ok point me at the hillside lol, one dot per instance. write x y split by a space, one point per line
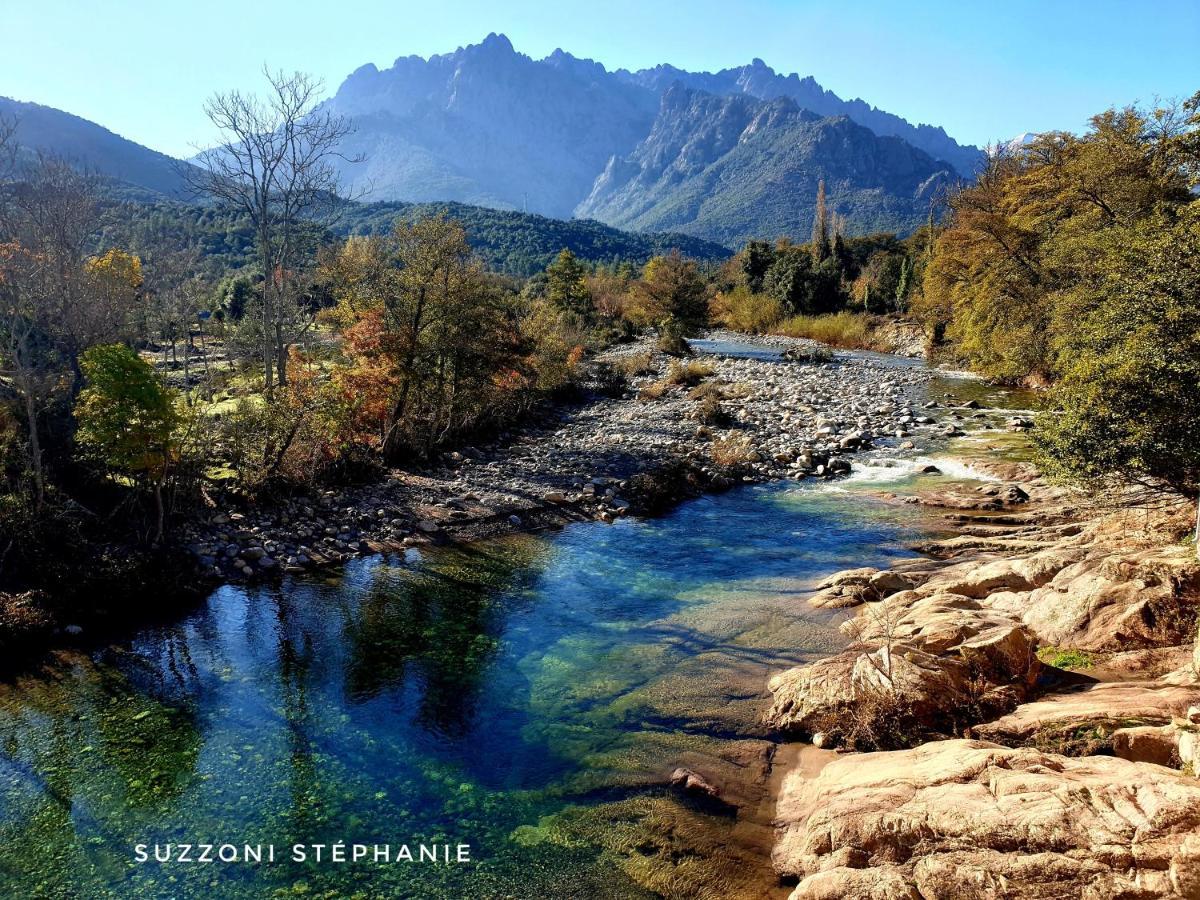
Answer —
758 80
41 128
518 244
524 243
731 168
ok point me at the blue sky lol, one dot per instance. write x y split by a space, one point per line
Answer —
982 70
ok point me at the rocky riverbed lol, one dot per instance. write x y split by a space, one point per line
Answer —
636 442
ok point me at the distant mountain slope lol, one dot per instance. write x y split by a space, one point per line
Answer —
515 243
487 125
731 168
761 81
93 147
525 243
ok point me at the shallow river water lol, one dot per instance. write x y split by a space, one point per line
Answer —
525 696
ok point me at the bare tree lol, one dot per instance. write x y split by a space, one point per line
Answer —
277 166
30 370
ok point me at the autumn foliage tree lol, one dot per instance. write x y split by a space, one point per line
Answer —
430 339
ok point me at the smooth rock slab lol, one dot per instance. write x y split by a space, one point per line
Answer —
969 819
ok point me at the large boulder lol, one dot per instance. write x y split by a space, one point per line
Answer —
969 819
892 692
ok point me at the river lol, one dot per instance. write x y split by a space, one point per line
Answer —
526 696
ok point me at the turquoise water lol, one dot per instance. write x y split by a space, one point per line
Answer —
527 697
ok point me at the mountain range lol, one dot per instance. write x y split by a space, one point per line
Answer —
721 156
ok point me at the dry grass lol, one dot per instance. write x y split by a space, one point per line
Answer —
734 450
738 391
653 391
742 311
688 373
711 412
708 390
844 329
636 364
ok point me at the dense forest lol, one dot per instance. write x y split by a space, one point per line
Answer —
512 243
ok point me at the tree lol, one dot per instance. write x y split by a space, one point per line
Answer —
567 288
1026 232
30 364
756 259
128 419
54 213
671 293
820 244
1129 396
276 167
426 331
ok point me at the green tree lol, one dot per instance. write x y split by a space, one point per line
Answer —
1128 403
820 246
566 286
128 418
756 259
671 293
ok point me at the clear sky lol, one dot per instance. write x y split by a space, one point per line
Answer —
983 70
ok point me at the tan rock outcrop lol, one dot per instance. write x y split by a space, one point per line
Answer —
1104 705
969 819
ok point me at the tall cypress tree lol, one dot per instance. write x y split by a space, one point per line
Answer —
820 232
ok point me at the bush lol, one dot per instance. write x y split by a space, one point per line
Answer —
636 364
732 451
711 412
742 310
710 390
672 339
843 329
653 391
688 373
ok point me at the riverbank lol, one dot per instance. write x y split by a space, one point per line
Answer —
1058 639
663 436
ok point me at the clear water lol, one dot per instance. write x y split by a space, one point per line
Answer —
526 696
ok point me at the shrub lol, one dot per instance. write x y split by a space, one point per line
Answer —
732 451
636 364
653 391
843 329
688 373
710 390
813 355
742 310
711 412
672 339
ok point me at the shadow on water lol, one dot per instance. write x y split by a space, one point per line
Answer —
526 696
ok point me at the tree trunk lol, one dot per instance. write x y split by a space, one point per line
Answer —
280 355
158 505
35 451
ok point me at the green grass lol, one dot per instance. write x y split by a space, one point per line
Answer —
1065 659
